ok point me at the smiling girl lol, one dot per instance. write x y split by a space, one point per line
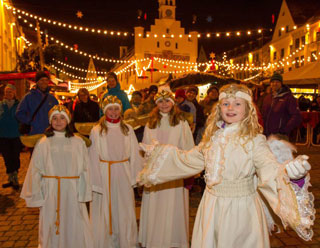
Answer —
58 183
164 218
115 163
232 152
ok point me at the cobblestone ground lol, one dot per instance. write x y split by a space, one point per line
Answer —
19 225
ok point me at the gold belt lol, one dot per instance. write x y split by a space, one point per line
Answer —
58 200
109 183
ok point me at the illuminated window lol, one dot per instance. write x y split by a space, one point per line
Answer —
302 60
274 55
282 53
279 32
287 28
303 40
297 62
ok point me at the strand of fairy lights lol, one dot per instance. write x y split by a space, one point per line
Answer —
225 64
72 75
126 34
79 69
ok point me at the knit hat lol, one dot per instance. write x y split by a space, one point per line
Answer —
11 85
180 93
276 77
59 109
41 74
153 88
193 89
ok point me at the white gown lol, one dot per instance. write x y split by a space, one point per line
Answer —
230 213
164 220
114 146
63 157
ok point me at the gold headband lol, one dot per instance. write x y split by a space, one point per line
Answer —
109 101
59 109
164 94
239 94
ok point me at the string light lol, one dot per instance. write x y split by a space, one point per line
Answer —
118 33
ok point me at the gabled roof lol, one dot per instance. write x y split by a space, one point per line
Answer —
303 10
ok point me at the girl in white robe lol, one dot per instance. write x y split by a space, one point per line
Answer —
232 151
115 163
164 218
58 183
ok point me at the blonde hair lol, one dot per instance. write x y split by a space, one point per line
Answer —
104 128
249 126
175 115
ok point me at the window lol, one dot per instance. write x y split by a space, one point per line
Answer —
168 30
303 40
302 60
291 48
318 36
287 28
257 57
297 44
274 55
290 68
297 62
158 44
279 32
176 45
313 56
282 53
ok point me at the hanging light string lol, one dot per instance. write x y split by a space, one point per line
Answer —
112 33
74 76
78 69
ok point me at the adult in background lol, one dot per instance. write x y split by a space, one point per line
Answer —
10 145
115 90
31 103
85 110
185 105
136 100
148 104
280 110
191 95
211 98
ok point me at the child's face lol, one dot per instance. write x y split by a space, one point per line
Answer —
59 122
164 105
113 112
233 109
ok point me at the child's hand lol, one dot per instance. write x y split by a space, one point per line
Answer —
298 167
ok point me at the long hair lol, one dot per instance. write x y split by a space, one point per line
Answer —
249 126
175 116
49 132
104 127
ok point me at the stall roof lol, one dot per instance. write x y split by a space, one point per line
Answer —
306 75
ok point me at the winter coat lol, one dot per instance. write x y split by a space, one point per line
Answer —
280 113
116 91
28 106
86 112
8 122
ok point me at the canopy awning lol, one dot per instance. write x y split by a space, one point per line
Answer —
305 75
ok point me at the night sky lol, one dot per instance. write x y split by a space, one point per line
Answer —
122 15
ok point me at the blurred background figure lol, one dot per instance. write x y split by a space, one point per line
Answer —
136 100
10 145
211 98
191 94
85 110
148 104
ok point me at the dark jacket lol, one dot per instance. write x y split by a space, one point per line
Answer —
29 104
8 122
280 113
201 119
86 112
116 91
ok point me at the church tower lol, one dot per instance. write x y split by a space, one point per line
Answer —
167 9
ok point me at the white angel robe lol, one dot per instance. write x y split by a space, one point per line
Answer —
59 156
230 213
114 146
164 218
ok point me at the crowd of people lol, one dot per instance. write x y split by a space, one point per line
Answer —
225 139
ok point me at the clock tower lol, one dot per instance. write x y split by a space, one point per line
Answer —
167 9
